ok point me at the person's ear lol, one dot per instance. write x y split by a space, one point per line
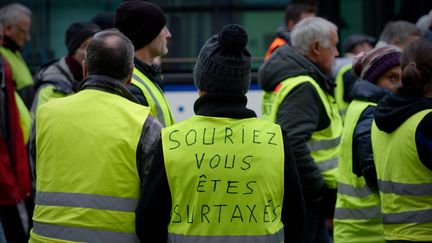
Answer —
84 69
201 93
316 48
129 80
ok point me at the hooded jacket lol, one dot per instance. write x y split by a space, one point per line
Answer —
301 113
393 110
55 74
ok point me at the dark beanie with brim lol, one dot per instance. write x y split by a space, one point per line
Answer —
77 33
140 21
224 63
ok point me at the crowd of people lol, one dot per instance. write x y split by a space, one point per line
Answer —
342 152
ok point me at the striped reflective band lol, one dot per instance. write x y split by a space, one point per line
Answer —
82 234
405 189
277 237
160 116
357 213
323 144
353 191
327 164
86 201
419 216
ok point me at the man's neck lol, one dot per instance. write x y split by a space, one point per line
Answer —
144 56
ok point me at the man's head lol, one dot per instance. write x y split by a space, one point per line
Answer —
224 63
400 34
416 64
295 12
316 38
110 53
144 23
380 66
16 20
78 35
358 43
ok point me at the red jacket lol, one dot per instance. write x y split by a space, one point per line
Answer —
15 183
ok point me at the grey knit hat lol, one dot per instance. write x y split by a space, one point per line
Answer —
224 63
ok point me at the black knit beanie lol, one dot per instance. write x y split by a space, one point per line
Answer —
224 62
77 33
140 21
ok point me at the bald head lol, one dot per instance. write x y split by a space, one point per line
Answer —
110 53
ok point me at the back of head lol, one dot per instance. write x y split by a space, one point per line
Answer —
373 64
110 53
416 64
294 11
77 33
309 30
224 62
140 21
398 31
353 40
11 13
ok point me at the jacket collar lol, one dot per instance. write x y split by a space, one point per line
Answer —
223 105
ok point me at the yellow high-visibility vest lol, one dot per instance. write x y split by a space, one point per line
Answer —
405 184
324 144
87 184
226 178
357 216
156 100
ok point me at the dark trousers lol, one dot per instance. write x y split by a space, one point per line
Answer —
316 229
12 224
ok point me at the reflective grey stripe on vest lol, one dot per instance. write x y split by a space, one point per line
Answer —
327 164
277 237
81 234
353 191
160 114
86 201
357 213
404 188
419 216
323 144
342 112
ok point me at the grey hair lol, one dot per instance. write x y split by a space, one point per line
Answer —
399 30
11 13
309 30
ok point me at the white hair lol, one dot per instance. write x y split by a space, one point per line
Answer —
309 30
11 13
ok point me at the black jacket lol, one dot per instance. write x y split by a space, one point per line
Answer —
301 112
395 109
153 212
363 162
153 73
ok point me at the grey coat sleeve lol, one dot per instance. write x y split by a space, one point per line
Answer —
300 114
150 137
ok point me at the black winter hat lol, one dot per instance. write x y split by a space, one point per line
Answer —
140 21
224 62
77 33
104 20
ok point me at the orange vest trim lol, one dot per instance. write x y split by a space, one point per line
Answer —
274 45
